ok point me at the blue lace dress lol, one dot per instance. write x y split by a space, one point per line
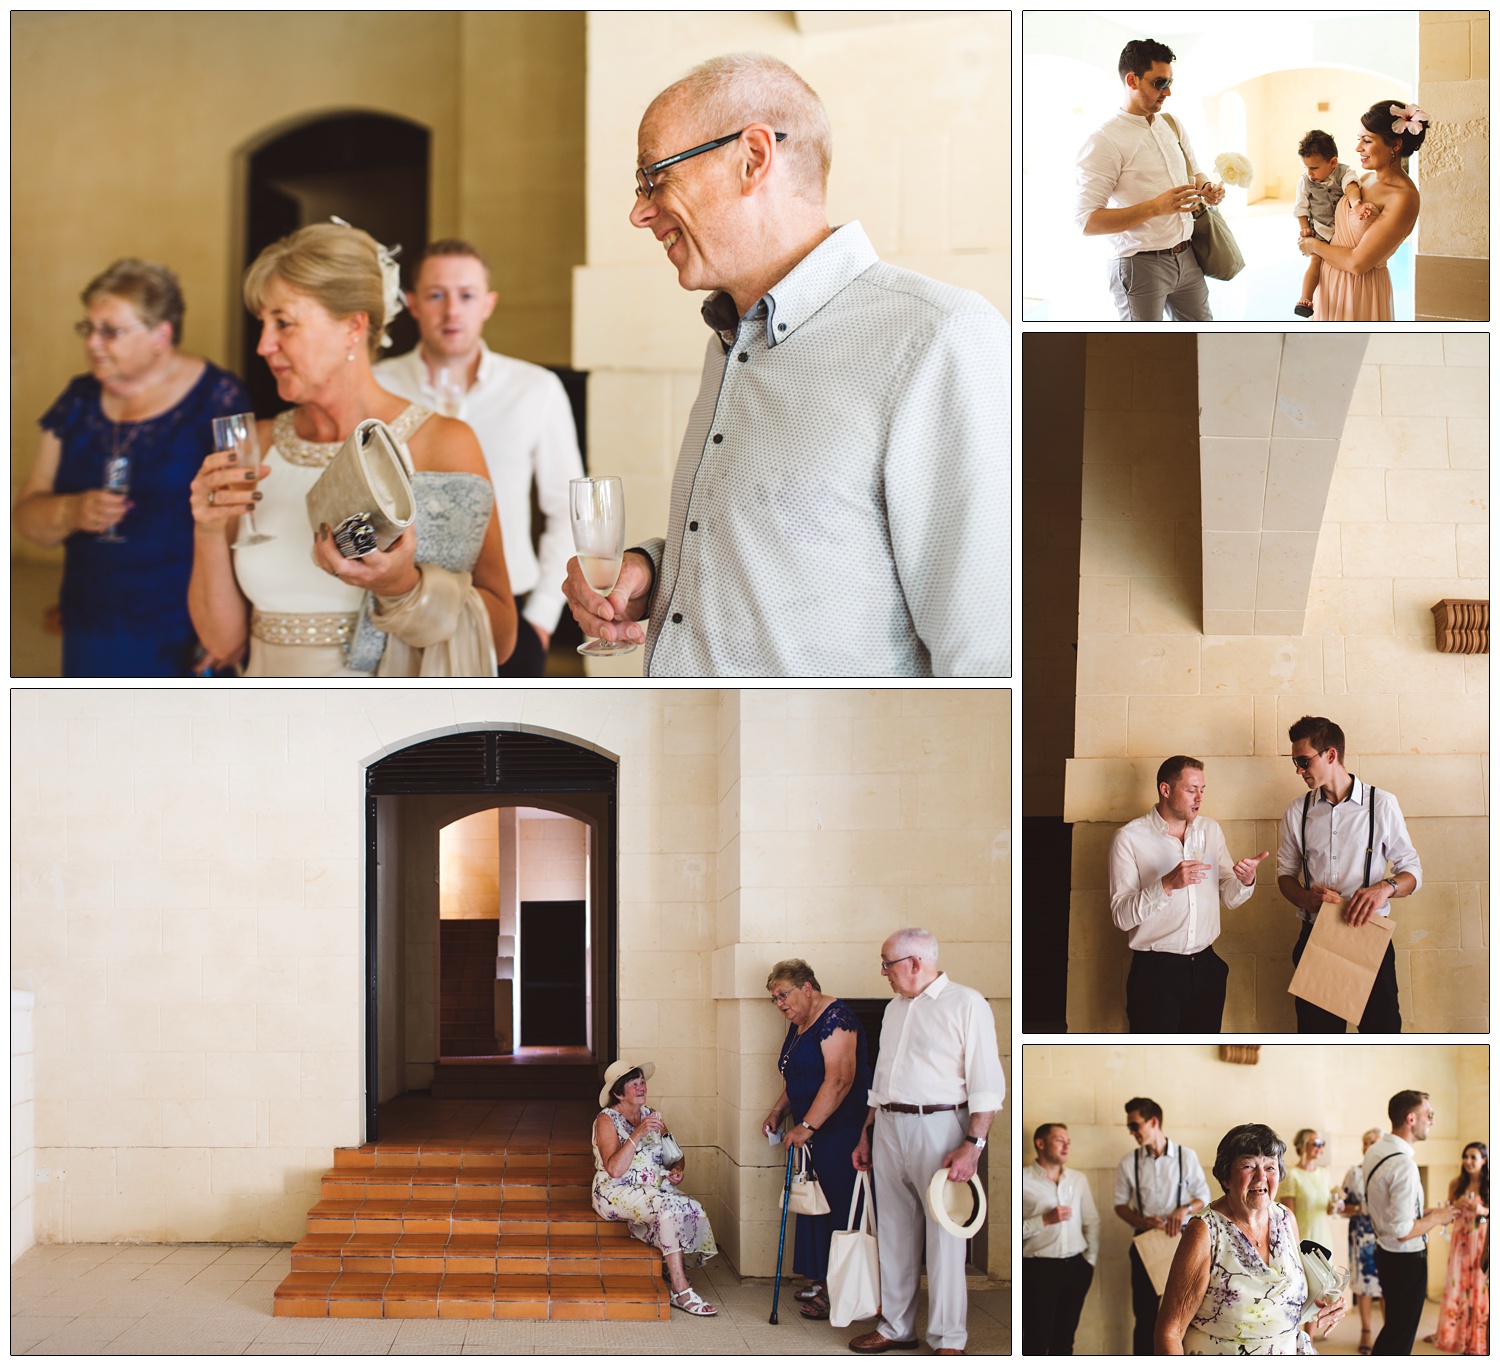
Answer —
124 607
832 1147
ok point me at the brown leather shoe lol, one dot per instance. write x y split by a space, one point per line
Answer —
870 1343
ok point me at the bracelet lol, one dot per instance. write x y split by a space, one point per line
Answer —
811 1128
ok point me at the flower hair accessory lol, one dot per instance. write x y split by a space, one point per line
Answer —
1409 119
390 279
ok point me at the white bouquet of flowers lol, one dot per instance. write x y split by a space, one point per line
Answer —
1234 168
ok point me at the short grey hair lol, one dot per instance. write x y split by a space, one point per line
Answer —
1248 1140
915 943
731 92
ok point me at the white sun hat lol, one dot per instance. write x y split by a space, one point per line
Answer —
616 1070
959 1206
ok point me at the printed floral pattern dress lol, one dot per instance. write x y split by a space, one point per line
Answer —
1250 1308
1363 1277
658 1213
1464 1319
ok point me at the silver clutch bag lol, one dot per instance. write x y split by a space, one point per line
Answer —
365 493
671 1154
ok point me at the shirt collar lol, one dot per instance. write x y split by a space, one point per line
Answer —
934 987
1356 795
1154 819
832 265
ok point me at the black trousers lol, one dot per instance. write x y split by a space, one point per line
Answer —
1382 1011
1403 1278
528 659
1144 1300
1176 993
1052 1295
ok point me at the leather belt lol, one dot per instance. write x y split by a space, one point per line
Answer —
918 1109
1168 251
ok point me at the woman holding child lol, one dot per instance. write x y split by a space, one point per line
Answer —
1354 284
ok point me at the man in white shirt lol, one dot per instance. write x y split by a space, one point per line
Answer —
1139 185
1059 1245
1156 863
937 1087
521 415
1336 842
1395 1203
841 500
1158 1186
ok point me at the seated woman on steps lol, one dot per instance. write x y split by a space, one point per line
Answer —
633 1183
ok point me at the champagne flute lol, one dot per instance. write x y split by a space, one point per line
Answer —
597 510
238 434
116 480
448 385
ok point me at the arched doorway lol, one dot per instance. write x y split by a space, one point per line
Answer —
369 169
413 792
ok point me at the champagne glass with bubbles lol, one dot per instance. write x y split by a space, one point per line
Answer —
238 434
597 510
116 480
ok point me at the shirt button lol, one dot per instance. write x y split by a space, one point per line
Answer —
677 618
744 355
692 526
781 327
718 437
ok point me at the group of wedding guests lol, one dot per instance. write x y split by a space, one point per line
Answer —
1140 185
899 463
1238 1283
927 1105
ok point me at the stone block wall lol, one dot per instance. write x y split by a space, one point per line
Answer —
1339 1089
1405 525
469 865
22 1125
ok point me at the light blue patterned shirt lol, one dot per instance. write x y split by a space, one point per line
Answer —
841 505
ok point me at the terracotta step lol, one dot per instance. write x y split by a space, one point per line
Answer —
319 1294
526 1218
440 1253
434 1182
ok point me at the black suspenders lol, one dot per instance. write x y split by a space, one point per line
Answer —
1140 1200
1369 846
1376 1168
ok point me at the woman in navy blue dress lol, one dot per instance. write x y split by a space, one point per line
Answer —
124 603
825 1067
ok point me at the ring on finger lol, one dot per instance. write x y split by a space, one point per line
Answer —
211 493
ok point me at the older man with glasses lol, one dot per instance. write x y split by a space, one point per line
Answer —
1343 841
1139 185
841 501
936 1089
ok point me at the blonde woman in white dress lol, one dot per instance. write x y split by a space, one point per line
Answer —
441 599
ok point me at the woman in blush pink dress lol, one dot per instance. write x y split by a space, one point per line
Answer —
1355 285
1464 1319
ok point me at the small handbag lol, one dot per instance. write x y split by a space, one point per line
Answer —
854 1264
807 1195
1323 1278
1213 244
365 493
671 1154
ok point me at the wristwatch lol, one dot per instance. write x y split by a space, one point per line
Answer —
979 1143
1395 886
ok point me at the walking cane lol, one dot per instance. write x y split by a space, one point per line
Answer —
786 1200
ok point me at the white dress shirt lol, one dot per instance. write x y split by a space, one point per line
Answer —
1184 921
1337 837
1040 1195
841 505
1393 1195
1126 162
939 1048
521 415
1161 1191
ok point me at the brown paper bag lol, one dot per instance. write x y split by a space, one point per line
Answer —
1156 1251
1340 961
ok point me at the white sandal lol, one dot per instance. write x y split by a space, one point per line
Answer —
691 1302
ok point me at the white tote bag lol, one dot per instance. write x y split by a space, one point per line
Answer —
854 1264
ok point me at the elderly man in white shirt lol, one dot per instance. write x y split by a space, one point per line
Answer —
937 1087
1395 1202
1138 184
841 505
1059 1245
1336 842
521 415
1156 865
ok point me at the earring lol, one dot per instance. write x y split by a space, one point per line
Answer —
350 356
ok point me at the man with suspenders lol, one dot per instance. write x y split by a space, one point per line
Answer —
1336 843
1158 1186
1394 1202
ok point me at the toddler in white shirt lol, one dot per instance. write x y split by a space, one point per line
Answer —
1318 193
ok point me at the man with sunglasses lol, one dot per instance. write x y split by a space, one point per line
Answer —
1138 184
1343 841
841 500
1160 1185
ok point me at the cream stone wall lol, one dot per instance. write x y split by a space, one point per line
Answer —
469 866
1405 525
1339 1089
187 906
22 1124
553 860
914 100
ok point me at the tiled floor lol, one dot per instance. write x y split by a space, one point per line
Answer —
213 1300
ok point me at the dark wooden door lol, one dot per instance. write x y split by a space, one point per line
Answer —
554 974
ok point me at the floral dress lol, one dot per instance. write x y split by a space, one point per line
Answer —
1363 1278
658 1213
1464 1319
1250 1308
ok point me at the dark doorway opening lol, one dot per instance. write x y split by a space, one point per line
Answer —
370 170
554 964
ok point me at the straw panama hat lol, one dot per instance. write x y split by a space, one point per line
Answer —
616 1070
959 1206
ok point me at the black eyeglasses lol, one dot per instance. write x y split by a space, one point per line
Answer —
1303 762
643 182
886 967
